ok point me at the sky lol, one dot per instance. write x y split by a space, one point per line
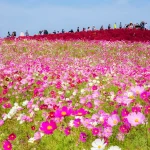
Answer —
36 15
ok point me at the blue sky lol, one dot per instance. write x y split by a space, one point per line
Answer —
35 15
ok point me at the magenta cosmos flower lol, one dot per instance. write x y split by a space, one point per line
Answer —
77 122
124 112
147 109
7 145
124 129
80 112
113 120
12 137
83 136
48 127
95 131
67 130
145 96
136 118
65 111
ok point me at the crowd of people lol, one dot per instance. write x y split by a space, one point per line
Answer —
143 25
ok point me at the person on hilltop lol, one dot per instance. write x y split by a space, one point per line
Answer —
21 33
93 28
8 34
130 26
146 26
45 32
142 24
115 26
63 31
102 28
88 29
78 30
13 34
54 32
120 25
84 29
109 27
40 32
71 31
26 33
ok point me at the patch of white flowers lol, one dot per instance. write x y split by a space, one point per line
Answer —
12 111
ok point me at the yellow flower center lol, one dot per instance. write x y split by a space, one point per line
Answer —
99 146
8 146
49 127
131 97
136 120
115 121
63 113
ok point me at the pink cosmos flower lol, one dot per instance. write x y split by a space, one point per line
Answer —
124 112
124 129
107 132
1 122
80 112
83 137
48 127
94 87
136 109
136 118
38 135
7 105
7 145
89 105
77 122
113 120
120 136
123 100
95 131
67 130
137 90
12 137
147 109
65 111
145 96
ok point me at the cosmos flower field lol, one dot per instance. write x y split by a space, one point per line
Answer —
74 95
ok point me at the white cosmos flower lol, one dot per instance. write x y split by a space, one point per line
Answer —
21 121
31 140
71 123
90 84
82 91
94 81
74 93
114 148
97 78
36 109
98 144
5 117
25 103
